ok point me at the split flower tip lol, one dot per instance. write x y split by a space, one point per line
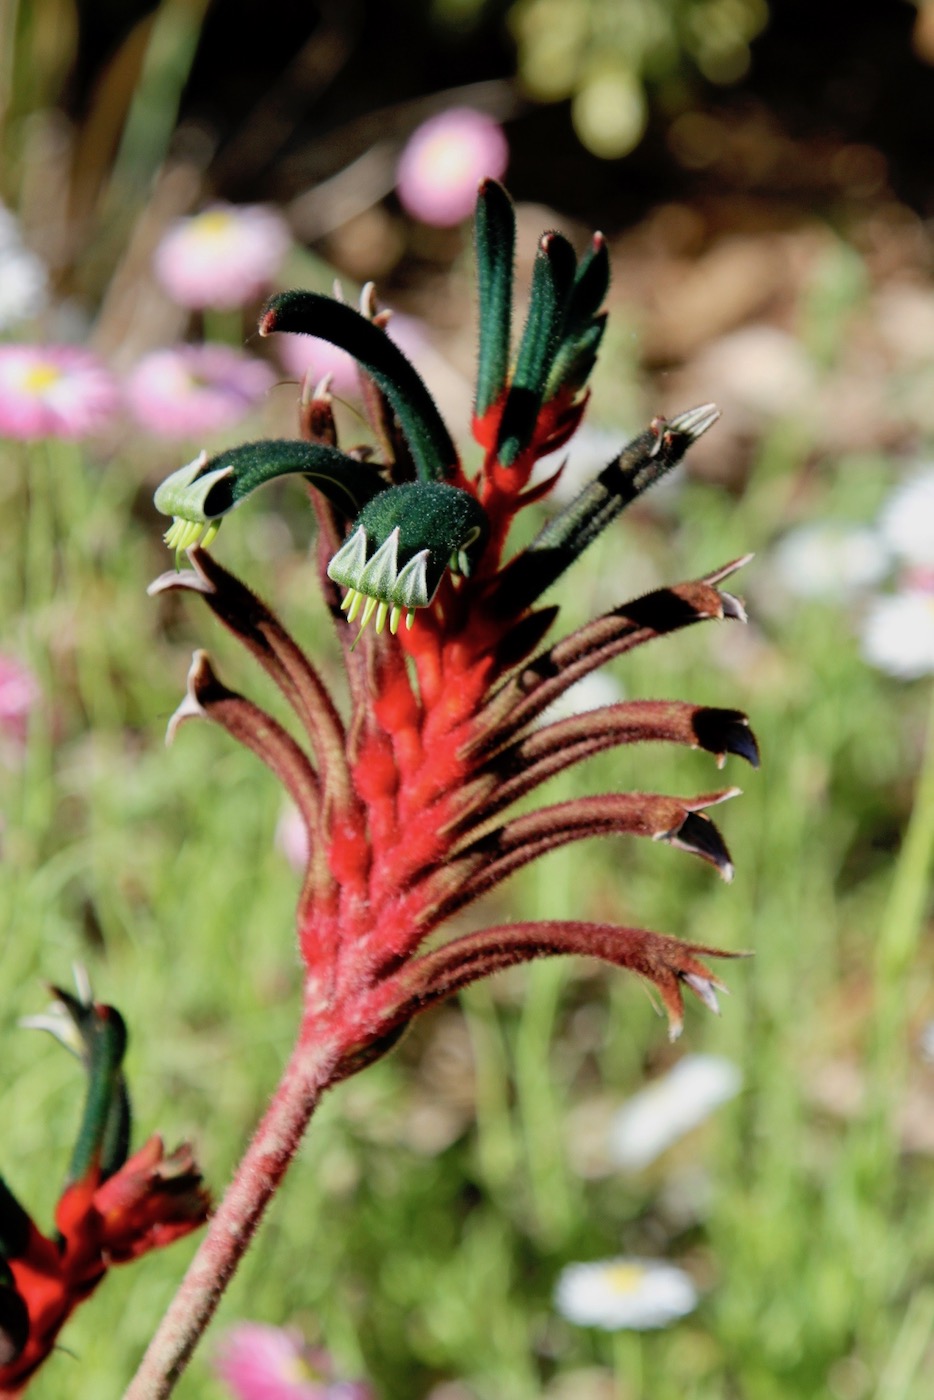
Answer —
174 579
698 836
694 422
190 708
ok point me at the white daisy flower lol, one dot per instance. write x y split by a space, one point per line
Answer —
830 560
673 1105
898 634
638 1294
589 693
907 520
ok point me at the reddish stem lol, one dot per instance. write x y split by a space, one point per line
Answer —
310 1070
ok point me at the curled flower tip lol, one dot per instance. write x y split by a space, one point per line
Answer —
706 989
183 496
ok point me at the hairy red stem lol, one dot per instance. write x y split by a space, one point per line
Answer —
310 1070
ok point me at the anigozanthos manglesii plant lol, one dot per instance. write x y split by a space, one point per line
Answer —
113 1208
405 799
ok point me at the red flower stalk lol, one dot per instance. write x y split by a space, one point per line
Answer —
114 1208
405 801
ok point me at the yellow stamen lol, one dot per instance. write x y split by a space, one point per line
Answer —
355 607
394 619
368 611
348 599
381 612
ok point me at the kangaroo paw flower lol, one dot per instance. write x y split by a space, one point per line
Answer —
406 800
114 1206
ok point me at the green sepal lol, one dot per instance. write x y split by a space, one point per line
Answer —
584 324
311 313
96 1035
104 1135
591 285
495 235
641 463
576 359
400 545
552 281
201 493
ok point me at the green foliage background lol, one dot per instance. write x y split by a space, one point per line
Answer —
422 1228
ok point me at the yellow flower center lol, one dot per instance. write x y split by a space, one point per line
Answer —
40 377
624 1278
214 224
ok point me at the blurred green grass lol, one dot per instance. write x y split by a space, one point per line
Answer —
419 1255
420 1231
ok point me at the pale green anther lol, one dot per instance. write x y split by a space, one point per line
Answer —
182 495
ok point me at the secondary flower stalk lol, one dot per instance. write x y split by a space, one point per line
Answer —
114 1207
406 799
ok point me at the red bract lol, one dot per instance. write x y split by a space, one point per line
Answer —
112 1210
404 800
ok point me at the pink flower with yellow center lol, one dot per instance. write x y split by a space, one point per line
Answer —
54 391
193 390
223 258
261 1362
444 161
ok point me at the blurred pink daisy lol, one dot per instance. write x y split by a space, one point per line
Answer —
19 695
54 391
192 390
224 257
306 355
260 1362
444 161
303 355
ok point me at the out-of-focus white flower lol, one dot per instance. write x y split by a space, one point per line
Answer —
589 693
898 634
673 1105
591 449
444 161
291 837
638 1294
23 282
907 520
830 560
764 372
224 257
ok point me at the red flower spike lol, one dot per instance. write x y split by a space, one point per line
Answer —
116 1210
403 798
